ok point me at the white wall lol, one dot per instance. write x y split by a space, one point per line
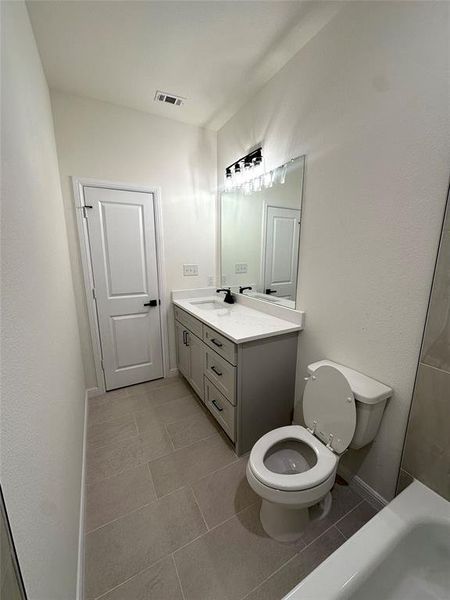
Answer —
367 101
42 383
104 141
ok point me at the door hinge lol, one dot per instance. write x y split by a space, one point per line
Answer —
93 294
84 208
101 362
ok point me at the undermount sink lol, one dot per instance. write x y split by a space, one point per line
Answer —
208 304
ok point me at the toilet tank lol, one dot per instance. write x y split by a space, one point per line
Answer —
370 400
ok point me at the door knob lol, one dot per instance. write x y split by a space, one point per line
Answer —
151 303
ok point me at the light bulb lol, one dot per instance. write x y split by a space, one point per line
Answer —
283 171
237 175
256 184
267 179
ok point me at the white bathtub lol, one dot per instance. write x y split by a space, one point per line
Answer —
403 553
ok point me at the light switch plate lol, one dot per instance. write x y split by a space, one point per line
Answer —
240 268
190 270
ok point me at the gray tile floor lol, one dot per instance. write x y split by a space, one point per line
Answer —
169 513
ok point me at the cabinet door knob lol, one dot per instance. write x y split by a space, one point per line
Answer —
216 371
216 342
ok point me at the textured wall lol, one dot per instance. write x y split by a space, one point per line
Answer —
366 100
42 383
426 454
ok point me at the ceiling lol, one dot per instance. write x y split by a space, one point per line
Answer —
217 54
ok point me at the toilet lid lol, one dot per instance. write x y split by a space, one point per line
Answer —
328 400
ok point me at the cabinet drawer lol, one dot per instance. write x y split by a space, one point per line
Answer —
221 373
220 408
220 344
189 321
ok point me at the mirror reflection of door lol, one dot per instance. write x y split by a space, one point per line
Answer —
281 252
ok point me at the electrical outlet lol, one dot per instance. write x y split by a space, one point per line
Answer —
190 270
240 268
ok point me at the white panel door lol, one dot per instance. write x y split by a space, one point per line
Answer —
121 229
281 252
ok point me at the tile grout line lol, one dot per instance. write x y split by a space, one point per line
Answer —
133 410
131 577
213 528
151 479
170 440
178 576
130 512
199 508
136 466
348 512
235 460
290 560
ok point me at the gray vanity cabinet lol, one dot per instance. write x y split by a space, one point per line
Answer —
190 357
248 387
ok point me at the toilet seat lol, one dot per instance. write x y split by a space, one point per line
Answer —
329 408
324 467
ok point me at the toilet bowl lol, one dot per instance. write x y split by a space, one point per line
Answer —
290 470
293 468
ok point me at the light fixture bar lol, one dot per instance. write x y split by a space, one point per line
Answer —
248 159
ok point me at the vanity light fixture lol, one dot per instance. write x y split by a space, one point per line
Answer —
242 172
247 174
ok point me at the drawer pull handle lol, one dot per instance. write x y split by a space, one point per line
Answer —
216 371
216 342
219 408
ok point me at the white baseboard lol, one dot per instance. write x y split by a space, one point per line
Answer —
172 372
95 391
363 489
80 569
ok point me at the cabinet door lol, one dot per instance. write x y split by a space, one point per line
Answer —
197 363
182 350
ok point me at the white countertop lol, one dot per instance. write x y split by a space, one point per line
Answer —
237 322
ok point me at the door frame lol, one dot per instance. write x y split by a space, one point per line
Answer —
78 184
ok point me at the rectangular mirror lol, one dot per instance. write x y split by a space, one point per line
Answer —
260 235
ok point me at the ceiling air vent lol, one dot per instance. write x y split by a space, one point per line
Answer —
169 98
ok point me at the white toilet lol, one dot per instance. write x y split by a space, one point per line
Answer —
293 468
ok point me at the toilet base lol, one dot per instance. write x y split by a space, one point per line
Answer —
288 524
283 524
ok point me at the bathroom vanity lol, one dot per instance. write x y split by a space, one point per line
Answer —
240 362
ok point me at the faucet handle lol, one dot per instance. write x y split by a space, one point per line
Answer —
228 295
